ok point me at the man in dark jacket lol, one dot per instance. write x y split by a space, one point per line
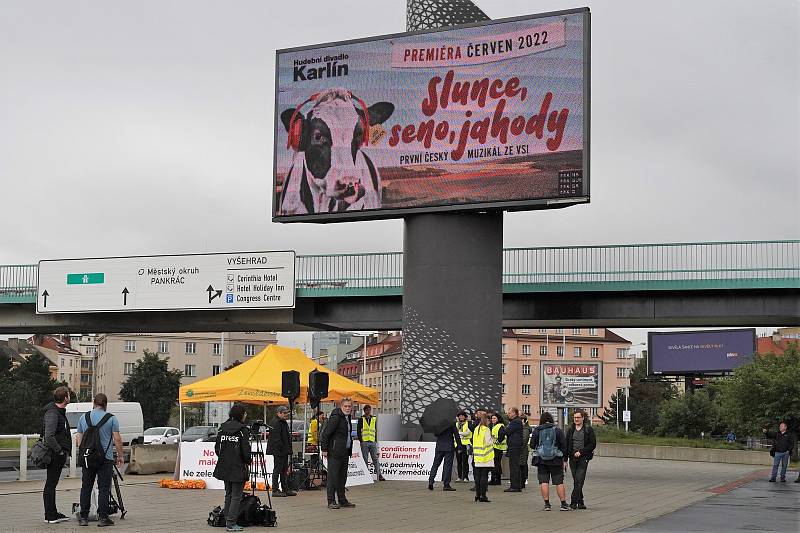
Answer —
279 446
549 447
336 444
514 443
234 458
445 451
581 442
783 443
57 437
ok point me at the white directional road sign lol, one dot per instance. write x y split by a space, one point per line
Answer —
245 280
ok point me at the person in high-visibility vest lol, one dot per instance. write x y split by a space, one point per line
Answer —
367 430
462 453
313 428
482 455
499 436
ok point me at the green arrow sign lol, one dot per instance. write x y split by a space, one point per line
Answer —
86 279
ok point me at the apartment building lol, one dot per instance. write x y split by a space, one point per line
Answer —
391 391
524 349
196 355
58 350
86 345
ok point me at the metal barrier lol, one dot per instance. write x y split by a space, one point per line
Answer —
23 454
700 265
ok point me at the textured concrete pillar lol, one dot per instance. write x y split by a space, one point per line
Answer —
452 310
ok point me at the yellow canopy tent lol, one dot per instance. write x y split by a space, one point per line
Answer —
258 380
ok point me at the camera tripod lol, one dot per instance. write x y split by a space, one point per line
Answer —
116 477
259 467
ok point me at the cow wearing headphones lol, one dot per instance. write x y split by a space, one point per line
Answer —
330 172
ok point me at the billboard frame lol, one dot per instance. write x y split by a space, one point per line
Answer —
506 205
718 372
600 398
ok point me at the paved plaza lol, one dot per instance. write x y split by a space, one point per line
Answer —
620 493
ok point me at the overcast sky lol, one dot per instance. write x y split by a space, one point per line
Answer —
138 128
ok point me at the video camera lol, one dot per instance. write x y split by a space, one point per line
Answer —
257 425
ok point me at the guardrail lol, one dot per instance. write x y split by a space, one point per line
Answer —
669 266
23 454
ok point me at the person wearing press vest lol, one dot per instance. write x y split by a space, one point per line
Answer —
500 447
97 430
234 458
549 447
337 446
482 455
581 442
462 452
367 431
56 436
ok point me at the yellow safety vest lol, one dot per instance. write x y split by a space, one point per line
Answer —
464 432
313 432
496 436
481 452
368 432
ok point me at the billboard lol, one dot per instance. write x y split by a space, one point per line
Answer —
571 384
699 352
484 116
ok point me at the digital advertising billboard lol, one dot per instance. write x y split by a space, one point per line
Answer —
699 352
571 384
489 116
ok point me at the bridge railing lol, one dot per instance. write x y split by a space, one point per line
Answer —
747 264
652 264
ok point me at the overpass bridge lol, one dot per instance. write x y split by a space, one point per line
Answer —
742 283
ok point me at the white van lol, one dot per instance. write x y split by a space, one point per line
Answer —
129 416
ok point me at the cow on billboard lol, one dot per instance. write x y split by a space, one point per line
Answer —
330 171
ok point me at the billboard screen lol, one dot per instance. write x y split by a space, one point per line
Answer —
571 384
484 116
699 352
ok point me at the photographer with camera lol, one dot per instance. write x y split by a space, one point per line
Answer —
279 446
233 463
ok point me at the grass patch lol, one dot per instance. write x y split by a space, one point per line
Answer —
13 444
605 434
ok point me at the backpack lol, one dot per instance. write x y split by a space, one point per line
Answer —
249 511
547 449
216 518
91 454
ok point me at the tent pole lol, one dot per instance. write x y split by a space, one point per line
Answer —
180 422
305 425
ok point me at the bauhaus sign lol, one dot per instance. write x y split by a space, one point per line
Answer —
488 116
571 384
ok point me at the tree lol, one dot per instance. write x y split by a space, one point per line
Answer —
688 415
645 399
154 386
5 365
762 392
609 416
25 390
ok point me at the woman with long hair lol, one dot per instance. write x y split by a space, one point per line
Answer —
483 455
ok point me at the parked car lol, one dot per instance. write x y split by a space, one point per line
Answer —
129 416
200 434
161 435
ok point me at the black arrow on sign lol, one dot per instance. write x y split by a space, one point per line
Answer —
125 296
212 293
45 294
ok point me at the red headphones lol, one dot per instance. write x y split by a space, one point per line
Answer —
296 125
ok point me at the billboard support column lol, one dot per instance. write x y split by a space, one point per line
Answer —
452 311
